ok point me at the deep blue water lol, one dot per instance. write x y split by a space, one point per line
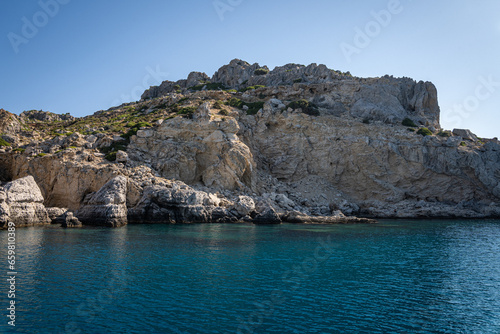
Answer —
393 277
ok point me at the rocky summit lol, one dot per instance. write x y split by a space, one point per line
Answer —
298 144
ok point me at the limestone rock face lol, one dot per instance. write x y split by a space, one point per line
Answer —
45 116
196 78
22 203
57 215
245 205
107 206
201 150
465 134
121 156
177 203
235 73
63 180
9 125
369 162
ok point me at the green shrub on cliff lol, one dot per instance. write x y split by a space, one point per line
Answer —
111 156
234 102
251 88
3 142
261 71
443 133
306 106
209 86
408 122
424 132
187 111
254 107
217 105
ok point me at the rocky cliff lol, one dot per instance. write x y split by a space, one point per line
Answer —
297 143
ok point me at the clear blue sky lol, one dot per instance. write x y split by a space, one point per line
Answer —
89 55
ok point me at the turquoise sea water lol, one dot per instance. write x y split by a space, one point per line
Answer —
393 277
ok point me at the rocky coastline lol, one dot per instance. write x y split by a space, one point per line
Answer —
298 144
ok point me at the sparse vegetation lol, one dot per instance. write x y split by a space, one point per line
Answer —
443 133
463 144
111 156
234 102
410 123
424 132
188 111
19 150
306 106
41 154
261 71
209 86
3 142
217 105
251 88
254 107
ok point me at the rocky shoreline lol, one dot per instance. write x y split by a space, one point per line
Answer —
298 144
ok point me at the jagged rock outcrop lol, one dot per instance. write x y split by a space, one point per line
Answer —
63 216
107 206
22 203
71 221
385 99
9 126
265 213
178 203
199 150
44 116
57 215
